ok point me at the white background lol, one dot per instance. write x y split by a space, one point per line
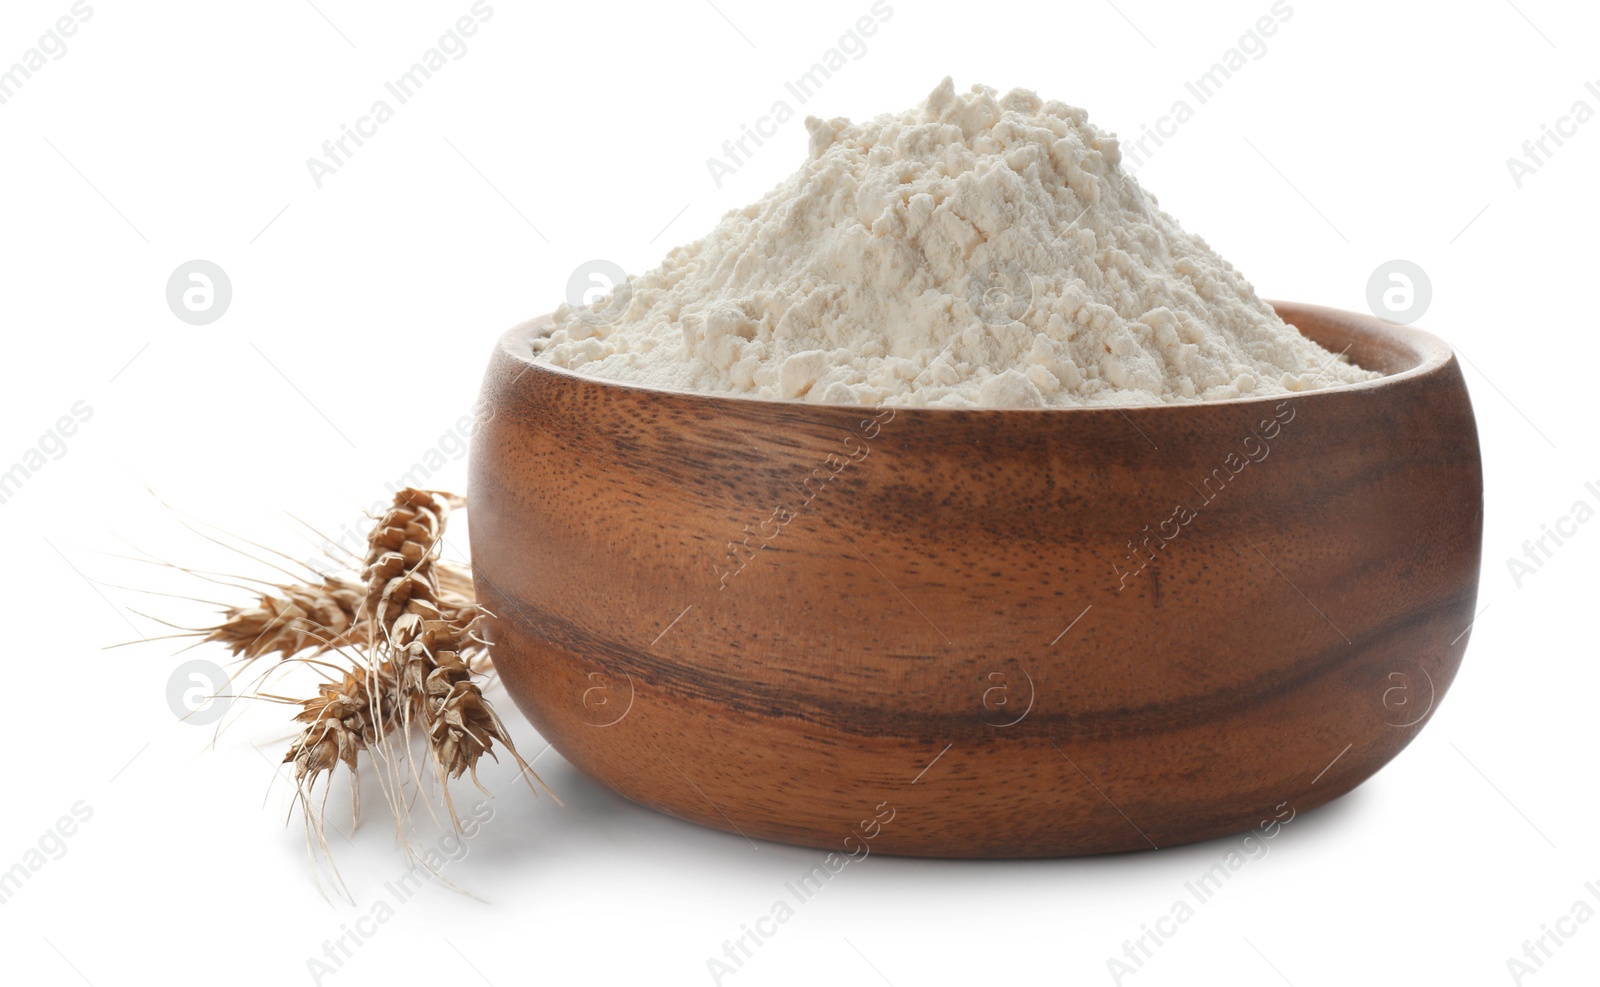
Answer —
363 313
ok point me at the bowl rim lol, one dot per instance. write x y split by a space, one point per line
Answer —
1427 353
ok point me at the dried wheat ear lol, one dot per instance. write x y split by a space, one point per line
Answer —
398 644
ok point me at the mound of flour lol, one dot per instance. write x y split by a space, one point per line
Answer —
979 250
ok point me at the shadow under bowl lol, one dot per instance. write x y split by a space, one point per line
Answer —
981 633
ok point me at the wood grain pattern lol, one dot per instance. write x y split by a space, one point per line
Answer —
981 633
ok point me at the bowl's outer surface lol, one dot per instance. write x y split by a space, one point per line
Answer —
931 631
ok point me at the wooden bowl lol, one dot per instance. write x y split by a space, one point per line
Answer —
997 633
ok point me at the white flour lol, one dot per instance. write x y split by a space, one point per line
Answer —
979 250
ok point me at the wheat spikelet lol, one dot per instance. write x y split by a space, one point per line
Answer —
465 725
315 618
402 550
306 617
340 724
